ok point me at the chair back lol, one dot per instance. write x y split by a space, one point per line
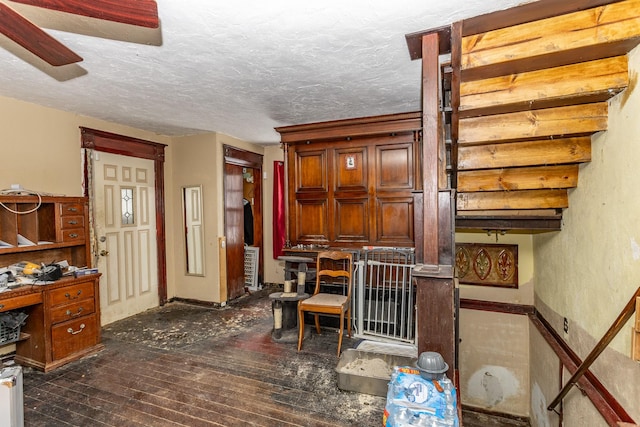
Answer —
335 264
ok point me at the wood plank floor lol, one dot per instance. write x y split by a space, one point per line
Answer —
186 365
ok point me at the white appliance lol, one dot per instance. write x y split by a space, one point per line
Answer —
11 399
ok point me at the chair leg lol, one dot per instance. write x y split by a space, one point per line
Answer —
300 328
341 330
317 324
349 321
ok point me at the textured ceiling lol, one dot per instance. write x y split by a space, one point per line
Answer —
240 67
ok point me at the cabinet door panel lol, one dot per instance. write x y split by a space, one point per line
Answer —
312 220
394 166
311 171
395 220
351 169
352 220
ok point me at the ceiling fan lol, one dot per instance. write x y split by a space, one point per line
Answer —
143 13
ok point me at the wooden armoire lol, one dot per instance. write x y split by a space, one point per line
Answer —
353 183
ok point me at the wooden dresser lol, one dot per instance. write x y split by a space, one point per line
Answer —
64 316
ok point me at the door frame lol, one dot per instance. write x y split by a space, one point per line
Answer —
238 157
98 140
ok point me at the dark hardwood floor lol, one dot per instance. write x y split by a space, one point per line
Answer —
186 365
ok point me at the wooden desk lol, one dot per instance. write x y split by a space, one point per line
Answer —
63 323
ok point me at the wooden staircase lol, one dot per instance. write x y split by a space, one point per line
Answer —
525 100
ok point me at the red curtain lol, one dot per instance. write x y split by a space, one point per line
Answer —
279 224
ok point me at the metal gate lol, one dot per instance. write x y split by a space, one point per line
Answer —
384 301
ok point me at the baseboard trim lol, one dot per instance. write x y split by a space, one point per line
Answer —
196 302
516 420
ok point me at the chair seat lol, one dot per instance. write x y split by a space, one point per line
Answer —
325 300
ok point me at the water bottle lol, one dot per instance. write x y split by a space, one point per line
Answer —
450 410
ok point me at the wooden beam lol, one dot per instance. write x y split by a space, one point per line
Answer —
525 199
580 83
414 41
525 153
432 139
575 120
503 220
600 32
339 129
527 12
531 178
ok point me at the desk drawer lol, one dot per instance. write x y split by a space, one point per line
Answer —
71 311
20 301
74 336
73 235
71 208
75 221
72 293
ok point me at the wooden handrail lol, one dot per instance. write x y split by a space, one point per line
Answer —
617 325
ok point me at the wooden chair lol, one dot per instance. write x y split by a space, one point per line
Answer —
326 303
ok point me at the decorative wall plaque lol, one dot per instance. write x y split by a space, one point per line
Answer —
350 162
487 264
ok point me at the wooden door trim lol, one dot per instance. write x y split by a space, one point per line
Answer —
238 157
127 146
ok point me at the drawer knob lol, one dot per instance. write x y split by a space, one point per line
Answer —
73 235
68 295
72 332
72 222
72 209
77 313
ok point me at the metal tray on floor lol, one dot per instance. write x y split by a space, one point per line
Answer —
368 372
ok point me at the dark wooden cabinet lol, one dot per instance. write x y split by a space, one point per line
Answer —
63 322
353 182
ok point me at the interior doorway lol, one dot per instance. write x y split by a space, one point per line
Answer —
125 227
243 217
93 141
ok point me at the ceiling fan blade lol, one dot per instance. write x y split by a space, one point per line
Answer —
32 38
143 13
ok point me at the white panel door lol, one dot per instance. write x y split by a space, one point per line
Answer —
125 224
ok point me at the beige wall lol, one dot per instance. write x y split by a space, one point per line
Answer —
589 270
199 160
41 148
41 152
494 347
195 162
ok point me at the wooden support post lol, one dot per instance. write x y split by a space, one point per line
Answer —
431 135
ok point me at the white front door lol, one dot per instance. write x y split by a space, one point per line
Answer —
125 225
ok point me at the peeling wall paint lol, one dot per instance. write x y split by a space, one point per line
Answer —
494 361
493 385
539 407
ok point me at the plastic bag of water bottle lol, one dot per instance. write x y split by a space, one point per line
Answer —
413 401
